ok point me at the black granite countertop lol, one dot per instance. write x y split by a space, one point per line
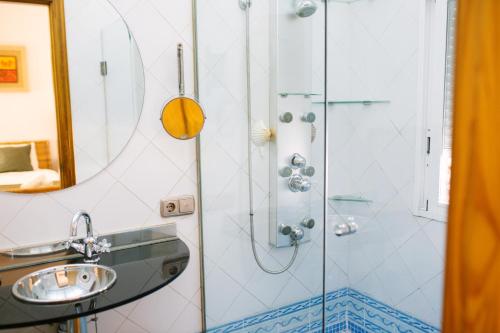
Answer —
140 271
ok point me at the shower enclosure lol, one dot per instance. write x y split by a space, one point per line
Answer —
323 151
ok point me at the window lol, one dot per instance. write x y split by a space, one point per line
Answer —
434 134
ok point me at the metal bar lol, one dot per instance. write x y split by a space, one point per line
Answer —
196 88
180 68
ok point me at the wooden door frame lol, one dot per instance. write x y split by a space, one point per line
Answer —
60 73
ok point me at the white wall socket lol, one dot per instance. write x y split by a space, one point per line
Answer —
177 206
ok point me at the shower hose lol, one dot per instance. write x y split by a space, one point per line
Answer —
250 169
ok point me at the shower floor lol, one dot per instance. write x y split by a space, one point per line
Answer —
347 311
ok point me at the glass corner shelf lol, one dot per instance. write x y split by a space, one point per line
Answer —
305 94
345 102
342 1
349 198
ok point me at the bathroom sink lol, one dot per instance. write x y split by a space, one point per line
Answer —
64 284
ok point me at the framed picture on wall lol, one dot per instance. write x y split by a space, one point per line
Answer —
13 76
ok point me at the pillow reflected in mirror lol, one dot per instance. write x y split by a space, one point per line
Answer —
15 158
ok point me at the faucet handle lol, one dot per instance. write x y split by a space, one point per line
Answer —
103 246
71 244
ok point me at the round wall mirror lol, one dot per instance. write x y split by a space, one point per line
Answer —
71 98
183 118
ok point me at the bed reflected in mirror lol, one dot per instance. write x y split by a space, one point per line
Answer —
28 167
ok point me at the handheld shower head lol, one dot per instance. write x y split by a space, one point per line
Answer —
305 8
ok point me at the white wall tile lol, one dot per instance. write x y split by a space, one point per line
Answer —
417 305
151 176
300 292
219 231
267 287
222 288
238 261
143 30
110 322
398 222
309 271
156 97
130 327
41 216
119 209
189 320
397 161
10 206
135 146
421 257
436 231
6 243
189 285
434 292
243 305
152 314
176 13
87 195
396 278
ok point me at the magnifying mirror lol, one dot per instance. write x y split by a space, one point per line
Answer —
182 117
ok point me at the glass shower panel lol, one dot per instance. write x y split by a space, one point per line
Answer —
269 72
384 264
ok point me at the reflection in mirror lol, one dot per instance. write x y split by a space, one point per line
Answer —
71 91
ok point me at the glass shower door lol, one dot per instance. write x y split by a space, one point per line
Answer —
262 64
385 242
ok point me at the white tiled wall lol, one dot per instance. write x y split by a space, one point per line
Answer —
126 194
395 257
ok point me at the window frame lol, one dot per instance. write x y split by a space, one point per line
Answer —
431 88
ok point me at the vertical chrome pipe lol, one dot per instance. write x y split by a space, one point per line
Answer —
194 12
325 164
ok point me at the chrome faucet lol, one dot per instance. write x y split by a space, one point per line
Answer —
91 247
297 183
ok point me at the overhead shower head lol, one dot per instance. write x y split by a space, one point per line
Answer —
305 8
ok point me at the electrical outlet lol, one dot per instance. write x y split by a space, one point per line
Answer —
177 206
169 207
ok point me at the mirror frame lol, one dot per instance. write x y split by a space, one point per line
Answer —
60 73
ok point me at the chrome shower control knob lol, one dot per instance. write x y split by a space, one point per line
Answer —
244 4
309 117
308 171
286 117
297 234
308 223
285 229
297 183
286 171
305 186
298 161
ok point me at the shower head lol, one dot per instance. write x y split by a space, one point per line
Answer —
305 8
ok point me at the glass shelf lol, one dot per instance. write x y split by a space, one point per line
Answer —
308 94
349 198
364 102
342 1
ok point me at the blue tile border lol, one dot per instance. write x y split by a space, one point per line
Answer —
347 310
389 312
